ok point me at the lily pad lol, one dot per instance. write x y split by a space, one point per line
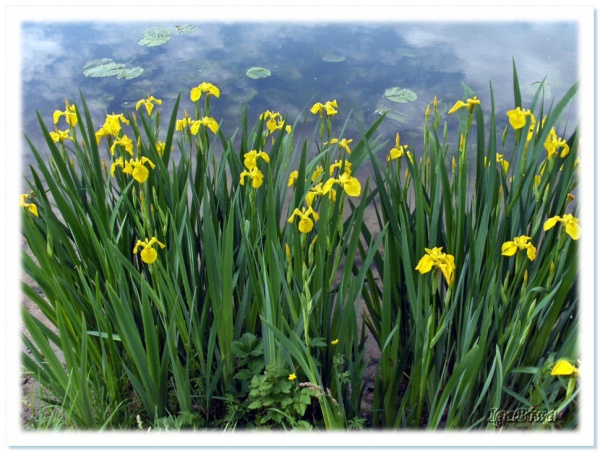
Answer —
401 95
258 72
185 29
333 58
102 68
155 36
108 68
130 73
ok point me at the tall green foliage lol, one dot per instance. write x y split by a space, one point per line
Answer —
175 263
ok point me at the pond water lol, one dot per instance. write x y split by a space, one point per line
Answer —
351 62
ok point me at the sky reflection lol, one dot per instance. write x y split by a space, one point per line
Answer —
429 58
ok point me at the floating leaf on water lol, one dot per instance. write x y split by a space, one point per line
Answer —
333 58
102 68
155 36
108 68
130 73
400 95
97 63
258 72
185 29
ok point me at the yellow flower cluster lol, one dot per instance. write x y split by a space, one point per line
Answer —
340 173
123 141
135 167
194 124
570 223
329 107
252 171
111 127
274 122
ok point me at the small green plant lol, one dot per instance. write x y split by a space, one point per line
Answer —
250 362
276 399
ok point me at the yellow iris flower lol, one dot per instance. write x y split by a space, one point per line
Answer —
517 117
564 367
61 135
160 147
293 178
112 126
519 243
569 222
123 141
255 175
70 114
181 124
343 143
318 190
206 122
317 173
29 206
470 104
148 103
306 224
553 143
208 88
251 158
501 161
275 122
148 254
135 167
350 184
397 151
328 107
345 165
435 258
